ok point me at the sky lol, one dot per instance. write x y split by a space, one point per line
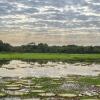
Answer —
56 22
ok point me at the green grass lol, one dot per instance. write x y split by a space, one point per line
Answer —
50 56
89 80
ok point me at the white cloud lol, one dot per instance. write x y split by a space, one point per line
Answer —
14 16
44 15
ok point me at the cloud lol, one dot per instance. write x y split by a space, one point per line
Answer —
51 39
45 16
49 12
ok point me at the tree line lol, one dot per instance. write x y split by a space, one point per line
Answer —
45 48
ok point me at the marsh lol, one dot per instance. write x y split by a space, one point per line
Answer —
49 80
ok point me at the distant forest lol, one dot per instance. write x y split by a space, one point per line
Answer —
45 48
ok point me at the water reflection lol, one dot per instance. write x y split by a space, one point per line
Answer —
18 68
2 62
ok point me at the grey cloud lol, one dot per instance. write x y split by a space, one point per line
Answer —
43 15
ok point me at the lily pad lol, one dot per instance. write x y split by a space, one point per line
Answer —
47 94
37 86
12 88
2 94
17 93
38 91
67 95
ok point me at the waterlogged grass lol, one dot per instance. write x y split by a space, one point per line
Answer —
89 80
48 87
50 56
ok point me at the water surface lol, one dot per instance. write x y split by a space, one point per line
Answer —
47 80
17 68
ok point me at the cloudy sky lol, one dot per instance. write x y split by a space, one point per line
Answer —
56 22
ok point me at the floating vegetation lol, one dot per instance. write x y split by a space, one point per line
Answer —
67 95
38 91
46 94
49 81
12 87
2 94
37 86
50 87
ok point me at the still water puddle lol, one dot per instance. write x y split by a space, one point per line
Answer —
16 68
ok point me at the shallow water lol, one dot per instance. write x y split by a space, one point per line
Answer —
24 80
17 68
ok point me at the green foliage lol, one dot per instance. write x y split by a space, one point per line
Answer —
44 48
89 80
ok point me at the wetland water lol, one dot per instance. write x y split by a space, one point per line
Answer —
32 80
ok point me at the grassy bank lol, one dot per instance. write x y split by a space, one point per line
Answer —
50 56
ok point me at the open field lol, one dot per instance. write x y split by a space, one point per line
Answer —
50 56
